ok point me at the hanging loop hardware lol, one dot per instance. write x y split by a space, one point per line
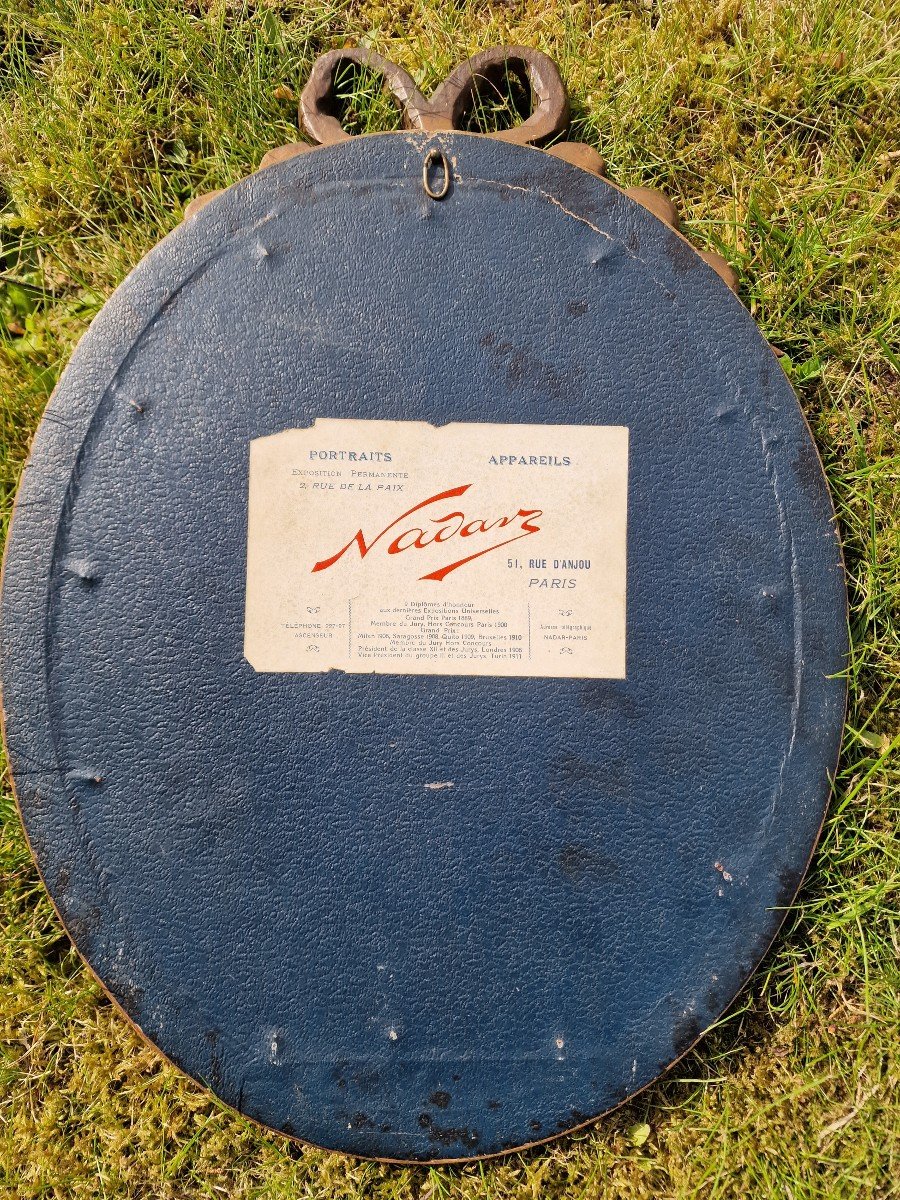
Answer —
435 159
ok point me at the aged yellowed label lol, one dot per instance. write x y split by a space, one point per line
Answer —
470 549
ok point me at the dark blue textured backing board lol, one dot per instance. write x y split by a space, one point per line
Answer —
249 862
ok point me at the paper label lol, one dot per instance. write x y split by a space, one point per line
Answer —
470 549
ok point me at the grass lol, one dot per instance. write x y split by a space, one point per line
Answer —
776 127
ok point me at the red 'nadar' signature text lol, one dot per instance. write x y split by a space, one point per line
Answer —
434 531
